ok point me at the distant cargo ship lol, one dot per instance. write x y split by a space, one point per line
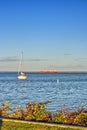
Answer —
49 71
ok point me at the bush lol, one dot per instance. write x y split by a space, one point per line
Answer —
38 112
5 109
81 119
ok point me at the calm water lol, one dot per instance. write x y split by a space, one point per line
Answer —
61 89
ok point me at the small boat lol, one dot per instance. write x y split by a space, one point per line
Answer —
21 75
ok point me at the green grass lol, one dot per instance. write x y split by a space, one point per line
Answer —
11 125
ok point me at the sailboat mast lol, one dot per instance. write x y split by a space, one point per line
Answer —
21 61
20 64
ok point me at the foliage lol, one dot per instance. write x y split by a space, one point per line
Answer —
66 116
5 109
81 119
38 112
17 114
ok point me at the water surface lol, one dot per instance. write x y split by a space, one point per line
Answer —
61 89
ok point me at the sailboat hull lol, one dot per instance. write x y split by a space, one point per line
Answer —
22 77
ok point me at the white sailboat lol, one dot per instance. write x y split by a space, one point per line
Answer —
21 74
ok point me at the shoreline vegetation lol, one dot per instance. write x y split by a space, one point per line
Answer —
37 112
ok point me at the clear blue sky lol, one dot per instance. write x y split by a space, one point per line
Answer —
51 33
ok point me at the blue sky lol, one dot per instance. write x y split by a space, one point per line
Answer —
51 33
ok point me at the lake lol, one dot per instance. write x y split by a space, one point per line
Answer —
61 89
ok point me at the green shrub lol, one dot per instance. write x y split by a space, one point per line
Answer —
81 119
38 112
5 109
59 117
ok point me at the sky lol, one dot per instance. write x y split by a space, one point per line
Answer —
52 34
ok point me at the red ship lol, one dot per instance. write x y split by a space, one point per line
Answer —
49 71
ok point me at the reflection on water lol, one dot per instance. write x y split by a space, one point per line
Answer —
61 89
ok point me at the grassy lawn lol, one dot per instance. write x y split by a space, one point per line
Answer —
12 125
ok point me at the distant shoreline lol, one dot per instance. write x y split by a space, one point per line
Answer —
38 72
